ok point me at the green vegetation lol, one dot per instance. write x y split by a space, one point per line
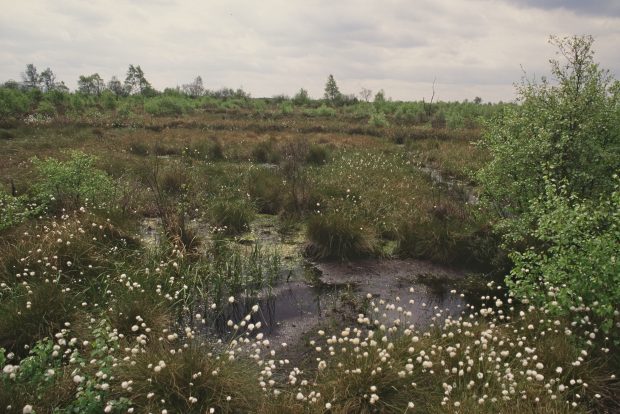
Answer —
143 235
552 183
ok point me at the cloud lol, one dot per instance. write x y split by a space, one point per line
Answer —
588 7
474 47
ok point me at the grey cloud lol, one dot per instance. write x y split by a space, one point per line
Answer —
590 7
278 46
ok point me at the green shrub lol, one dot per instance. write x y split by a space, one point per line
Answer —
571 257
125 110
378 119
168 106
108 100
13 102
15 210
321 111
286 108
335 236
70 183
46 108
549 183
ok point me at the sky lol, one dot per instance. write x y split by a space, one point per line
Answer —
468 48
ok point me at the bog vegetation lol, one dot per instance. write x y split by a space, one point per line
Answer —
97 314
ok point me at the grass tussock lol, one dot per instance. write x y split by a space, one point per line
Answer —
333 236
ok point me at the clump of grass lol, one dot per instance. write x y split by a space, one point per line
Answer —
139 148
194 380
210 149
163 150
31 314
265 187
173 180
134 308
6 134
336 236
267 152
232 216
317 155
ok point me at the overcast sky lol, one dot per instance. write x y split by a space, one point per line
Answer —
471 47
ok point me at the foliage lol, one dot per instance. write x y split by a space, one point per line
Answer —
301 98
91 85
569 131
321 111
71 183
571 256
549 182
168 106
136 83
15 210
13 102
378 119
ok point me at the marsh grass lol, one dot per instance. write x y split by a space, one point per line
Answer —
233 216
334 236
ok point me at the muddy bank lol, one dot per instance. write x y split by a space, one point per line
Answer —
420 287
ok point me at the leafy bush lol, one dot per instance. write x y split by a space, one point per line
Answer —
569 132
70 183
549 183
168 106
378 119
321 111
13 102
286 108
572 253
15 210
46 108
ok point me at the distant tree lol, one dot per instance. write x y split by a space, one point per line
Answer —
301 98
61 87
116 87
11 84
31 78
91 85
365 94
477 100
332 93
194 89
380 97
48 80
136 83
